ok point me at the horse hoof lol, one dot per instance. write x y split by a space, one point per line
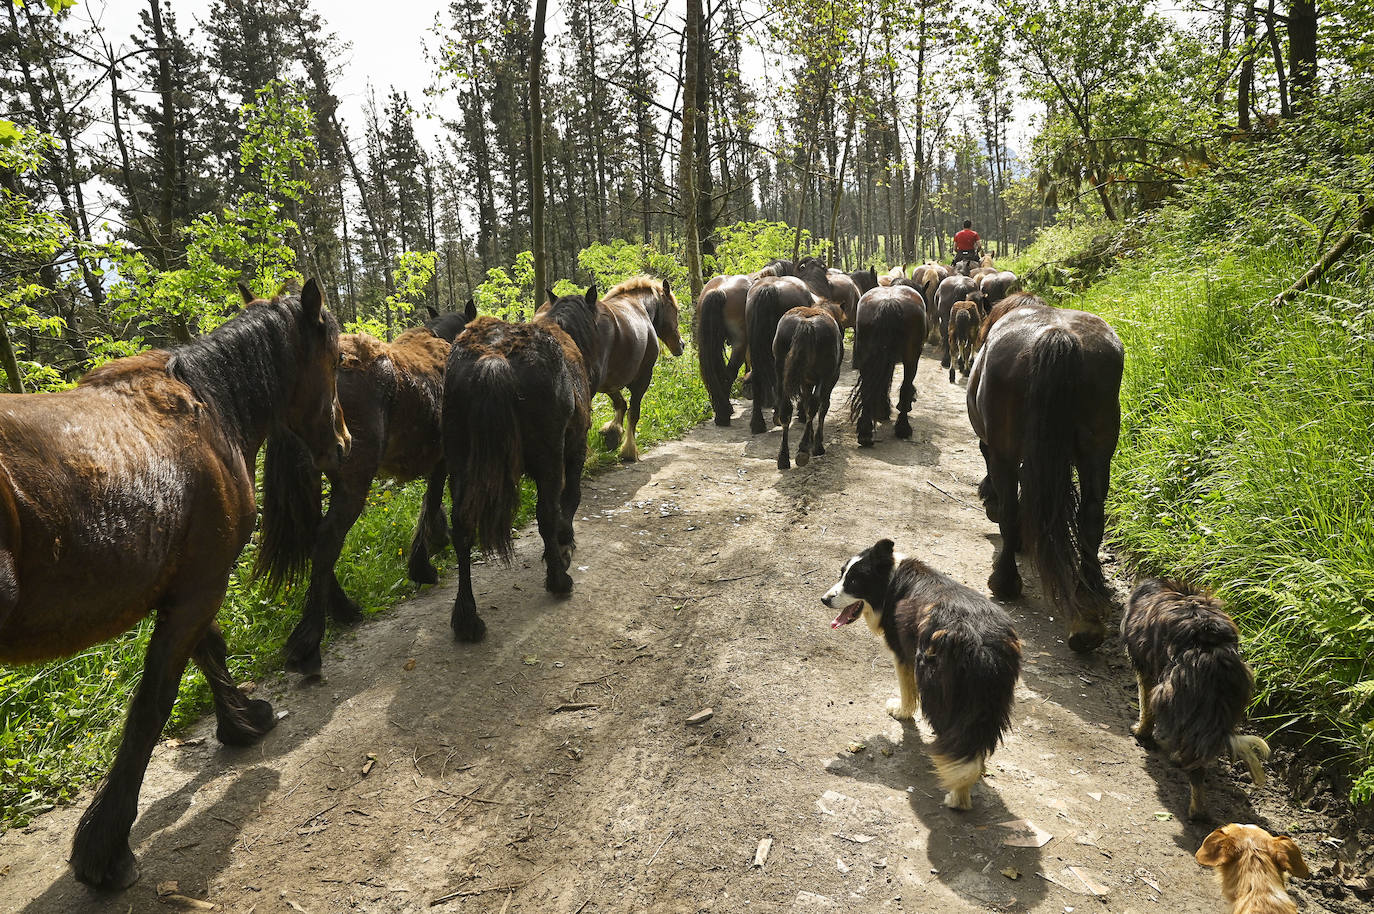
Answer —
424 574
257 720
307 663
818 452
866 441
116 875
722 420
470 629
944 363
803 458
951 376
610 437
560 584
346 611
756 427
629 456
902 429
785 464
1005 586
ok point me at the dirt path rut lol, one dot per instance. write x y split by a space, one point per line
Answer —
698 579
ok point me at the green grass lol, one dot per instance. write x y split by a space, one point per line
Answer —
1246 464
61 722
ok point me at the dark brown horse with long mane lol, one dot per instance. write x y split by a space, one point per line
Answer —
133 493
517 401
631 318
807 349
1043 400
769 299
889 327
392 394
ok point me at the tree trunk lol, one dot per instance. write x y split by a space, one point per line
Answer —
166 130
8 360
1246 81
1302 51
537 153
687 170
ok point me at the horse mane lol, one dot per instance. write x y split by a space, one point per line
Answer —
244 367
1006 305
641 283
577 318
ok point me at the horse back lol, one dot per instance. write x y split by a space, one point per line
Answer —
414 409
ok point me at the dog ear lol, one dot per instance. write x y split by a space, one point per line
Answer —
1287 857
1218 849
883 548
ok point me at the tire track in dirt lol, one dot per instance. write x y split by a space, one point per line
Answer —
698 578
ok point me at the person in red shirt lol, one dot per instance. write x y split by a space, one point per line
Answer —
966 244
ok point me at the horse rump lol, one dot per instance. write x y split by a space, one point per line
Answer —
711 354
1049 499
483 447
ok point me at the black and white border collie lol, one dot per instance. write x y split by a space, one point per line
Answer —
1193 684
957 656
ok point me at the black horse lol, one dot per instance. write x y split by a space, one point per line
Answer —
392 394
889 327
517 401
1043 400
808 350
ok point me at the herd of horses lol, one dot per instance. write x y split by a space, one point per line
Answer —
133 493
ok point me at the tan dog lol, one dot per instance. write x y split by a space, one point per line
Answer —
1252 864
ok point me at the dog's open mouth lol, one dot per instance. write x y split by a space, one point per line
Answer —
848 614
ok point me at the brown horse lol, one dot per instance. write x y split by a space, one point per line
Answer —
963 330
807 350
631 318
996 286
517 401
952 289
392 394
720 320
830 285
133 493
889 327
1043 400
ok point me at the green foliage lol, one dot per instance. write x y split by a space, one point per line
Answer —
251 238
511 298
613 263
746 247
30 236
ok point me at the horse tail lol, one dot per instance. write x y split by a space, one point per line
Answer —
482 438
290 511
799 368
875 357
762 325
710 334
1049 500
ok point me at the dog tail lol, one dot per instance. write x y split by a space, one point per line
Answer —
1254 752
967 683
876 357
1203 697
483 446
710 335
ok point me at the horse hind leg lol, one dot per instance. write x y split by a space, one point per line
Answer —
612 431
629 451
574 458
240 720
467 625
1091 603
905 396
100 849
808 419
784 449
547 512
431 530
1005 581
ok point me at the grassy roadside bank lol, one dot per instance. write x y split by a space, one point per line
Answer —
61 722
1245 464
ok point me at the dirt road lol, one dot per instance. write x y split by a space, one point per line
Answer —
551 769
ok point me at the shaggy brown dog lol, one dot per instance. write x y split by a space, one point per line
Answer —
1251 864
1193 684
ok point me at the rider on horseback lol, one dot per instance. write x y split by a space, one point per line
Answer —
966 244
